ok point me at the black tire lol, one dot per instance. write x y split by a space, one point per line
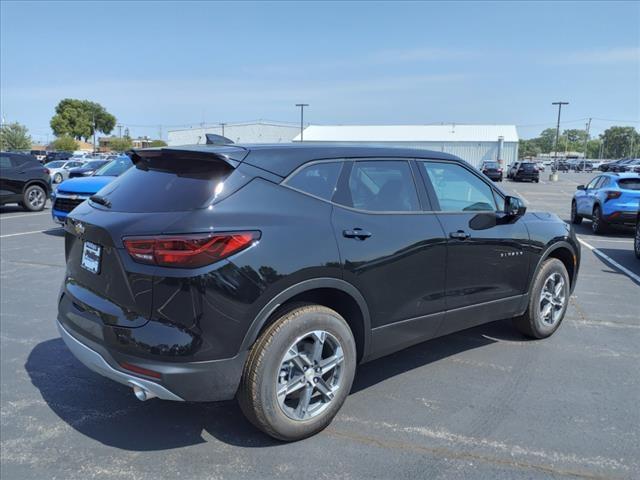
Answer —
575 218
262 372
57 178
636 240
598 224
34 198
532 323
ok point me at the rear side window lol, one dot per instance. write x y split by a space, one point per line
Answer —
5 161
457 189
629 183
382 186
318 179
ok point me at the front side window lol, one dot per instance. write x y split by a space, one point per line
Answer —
457 189
318 179
382 186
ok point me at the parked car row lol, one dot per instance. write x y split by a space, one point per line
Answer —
623 165
25 181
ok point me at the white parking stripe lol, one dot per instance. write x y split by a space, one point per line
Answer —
610 260
29 233
4 217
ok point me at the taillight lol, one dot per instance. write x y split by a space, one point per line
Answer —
499 170
612 194
188 251
47 171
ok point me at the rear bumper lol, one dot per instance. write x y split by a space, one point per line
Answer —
621 217
95 344
94 361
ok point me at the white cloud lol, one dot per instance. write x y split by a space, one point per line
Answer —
600 56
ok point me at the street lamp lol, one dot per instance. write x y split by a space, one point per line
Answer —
302 105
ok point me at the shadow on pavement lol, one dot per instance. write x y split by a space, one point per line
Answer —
109 413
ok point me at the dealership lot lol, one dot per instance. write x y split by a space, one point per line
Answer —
484 401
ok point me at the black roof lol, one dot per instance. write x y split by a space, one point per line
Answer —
282 159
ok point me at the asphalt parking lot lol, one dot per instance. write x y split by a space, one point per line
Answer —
483 403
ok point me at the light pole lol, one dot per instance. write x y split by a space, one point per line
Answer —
555 149
586 141
222 124
302 105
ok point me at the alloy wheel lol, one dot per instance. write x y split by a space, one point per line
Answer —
552 299
36 198
310 374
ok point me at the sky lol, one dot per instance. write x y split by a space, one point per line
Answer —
165 65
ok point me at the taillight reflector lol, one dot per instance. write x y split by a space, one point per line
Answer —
188 251
140 370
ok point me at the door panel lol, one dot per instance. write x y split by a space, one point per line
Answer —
390 250
487 258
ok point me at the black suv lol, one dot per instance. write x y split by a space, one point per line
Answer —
23 180
520 171
268 272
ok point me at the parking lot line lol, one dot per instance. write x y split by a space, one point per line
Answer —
608 259
4 217
29 233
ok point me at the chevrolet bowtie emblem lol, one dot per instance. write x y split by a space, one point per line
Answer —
79 228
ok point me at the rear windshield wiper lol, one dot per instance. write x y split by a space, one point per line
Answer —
100 200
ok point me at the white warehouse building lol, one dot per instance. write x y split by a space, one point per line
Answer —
259 131
473 143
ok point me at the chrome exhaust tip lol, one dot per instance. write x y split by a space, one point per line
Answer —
142 394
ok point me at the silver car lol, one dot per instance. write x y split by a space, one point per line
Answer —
59 169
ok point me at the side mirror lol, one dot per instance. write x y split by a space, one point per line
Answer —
514 207
580 187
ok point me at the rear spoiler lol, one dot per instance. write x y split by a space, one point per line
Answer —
232 155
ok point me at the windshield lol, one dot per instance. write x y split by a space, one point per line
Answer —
93 164
55 164
115 167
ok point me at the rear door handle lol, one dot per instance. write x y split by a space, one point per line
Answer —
356 233
460 235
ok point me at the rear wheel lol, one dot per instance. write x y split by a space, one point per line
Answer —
57 178
575 218
598 224
548 301
298 373
34 198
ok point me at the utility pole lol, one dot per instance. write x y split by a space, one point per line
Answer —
120 130
302 105
555 149
94 131
586 141
222 124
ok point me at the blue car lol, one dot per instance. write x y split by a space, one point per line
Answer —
73 192
608 199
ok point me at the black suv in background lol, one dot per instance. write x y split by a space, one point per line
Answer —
521 171
493 170
23 180
51 156
269 272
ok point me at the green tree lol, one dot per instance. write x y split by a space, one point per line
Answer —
593 148
575 139
529 148
120 144
621 142
14 136
80 118
65 143
546 140
158 143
